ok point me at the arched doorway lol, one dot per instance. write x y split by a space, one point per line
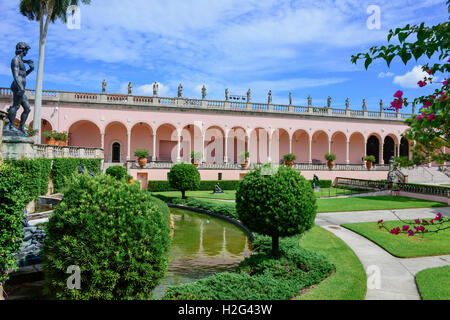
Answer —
388 149
115 157
404 148
373 148
85 133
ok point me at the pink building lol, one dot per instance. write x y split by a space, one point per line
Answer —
170 128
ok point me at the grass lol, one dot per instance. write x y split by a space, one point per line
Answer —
402 245
373 203
231 194
431 283
349 280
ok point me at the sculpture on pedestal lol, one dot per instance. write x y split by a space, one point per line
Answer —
104 86
249 95
203 92
155 89
269 97
227 94
329 102
347 103
130 88
180 91
290 98
309 101
364 106
19 73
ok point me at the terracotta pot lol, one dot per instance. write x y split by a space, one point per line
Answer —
130 181
330 164
245 164
196 164
368 164
289 163
142 162
62 143
51 141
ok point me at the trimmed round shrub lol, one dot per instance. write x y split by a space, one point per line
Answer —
184 177
277 202
118 172
13 199
117 234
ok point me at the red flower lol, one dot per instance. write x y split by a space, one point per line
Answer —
422 83
398 94
380 221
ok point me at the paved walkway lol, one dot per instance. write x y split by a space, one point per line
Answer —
397 276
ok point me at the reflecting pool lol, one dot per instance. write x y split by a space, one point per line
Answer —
201 246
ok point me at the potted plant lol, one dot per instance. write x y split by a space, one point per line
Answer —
130 179
369 161
289 159
61 138
330 157
49 137
142 155
31 132
244 155
196 156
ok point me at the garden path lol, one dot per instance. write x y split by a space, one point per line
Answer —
389 277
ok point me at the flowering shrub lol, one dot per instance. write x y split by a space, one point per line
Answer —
419 226
430 130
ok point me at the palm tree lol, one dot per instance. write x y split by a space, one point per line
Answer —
50 11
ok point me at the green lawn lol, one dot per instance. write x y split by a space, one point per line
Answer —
402 245
373 203
433 283
349 280
231 194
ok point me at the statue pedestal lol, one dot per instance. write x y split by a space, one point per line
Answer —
15 148
2 124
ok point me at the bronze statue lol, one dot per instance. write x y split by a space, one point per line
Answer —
19 73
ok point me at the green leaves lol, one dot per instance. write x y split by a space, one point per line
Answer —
183 177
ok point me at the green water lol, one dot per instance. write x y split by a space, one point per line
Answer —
201 246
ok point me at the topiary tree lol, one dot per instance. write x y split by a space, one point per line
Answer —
117 234
277 203
183 177
13 199
118 172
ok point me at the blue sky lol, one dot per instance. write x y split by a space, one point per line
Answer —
303 47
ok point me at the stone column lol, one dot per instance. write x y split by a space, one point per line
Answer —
329 145
310 148
381 152
203 147
103 140
178 145
290 144
128 145
347 150
154 147
225 156
269 149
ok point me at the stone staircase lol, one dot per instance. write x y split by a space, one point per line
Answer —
426 175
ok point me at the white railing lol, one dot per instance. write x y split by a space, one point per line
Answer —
50 152
106 98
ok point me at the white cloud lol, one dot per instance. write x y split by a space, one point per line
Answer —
410 79
385 74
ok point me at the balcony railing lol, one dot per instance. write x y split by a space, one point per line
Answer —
50 152
123 99
237 166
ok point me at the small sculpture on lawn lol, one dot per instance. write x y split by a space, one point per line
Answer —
217 189
315 183
82 169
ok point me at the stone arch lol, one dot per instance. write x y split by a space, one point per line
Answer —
300 145
339 146
373 147
319 146
166 142
214 144
404 147
141 138
280 145
85 133
46 125
237 143
258 146
116 131
356 148
388 149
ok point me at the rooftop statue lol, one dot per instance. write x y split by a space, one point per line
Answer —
104 86
130 88
180 91
203 92
249 95
309 101
18 85
155 89
290 98
381 105
364 106
227 94
269 97
329 102
347 103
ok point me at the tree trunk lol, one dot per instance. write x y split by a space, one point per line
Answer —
183 194
1 293
275 246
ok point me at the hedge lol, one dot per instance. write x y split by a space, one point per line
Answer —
208 185
36 173
260 277
65 167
